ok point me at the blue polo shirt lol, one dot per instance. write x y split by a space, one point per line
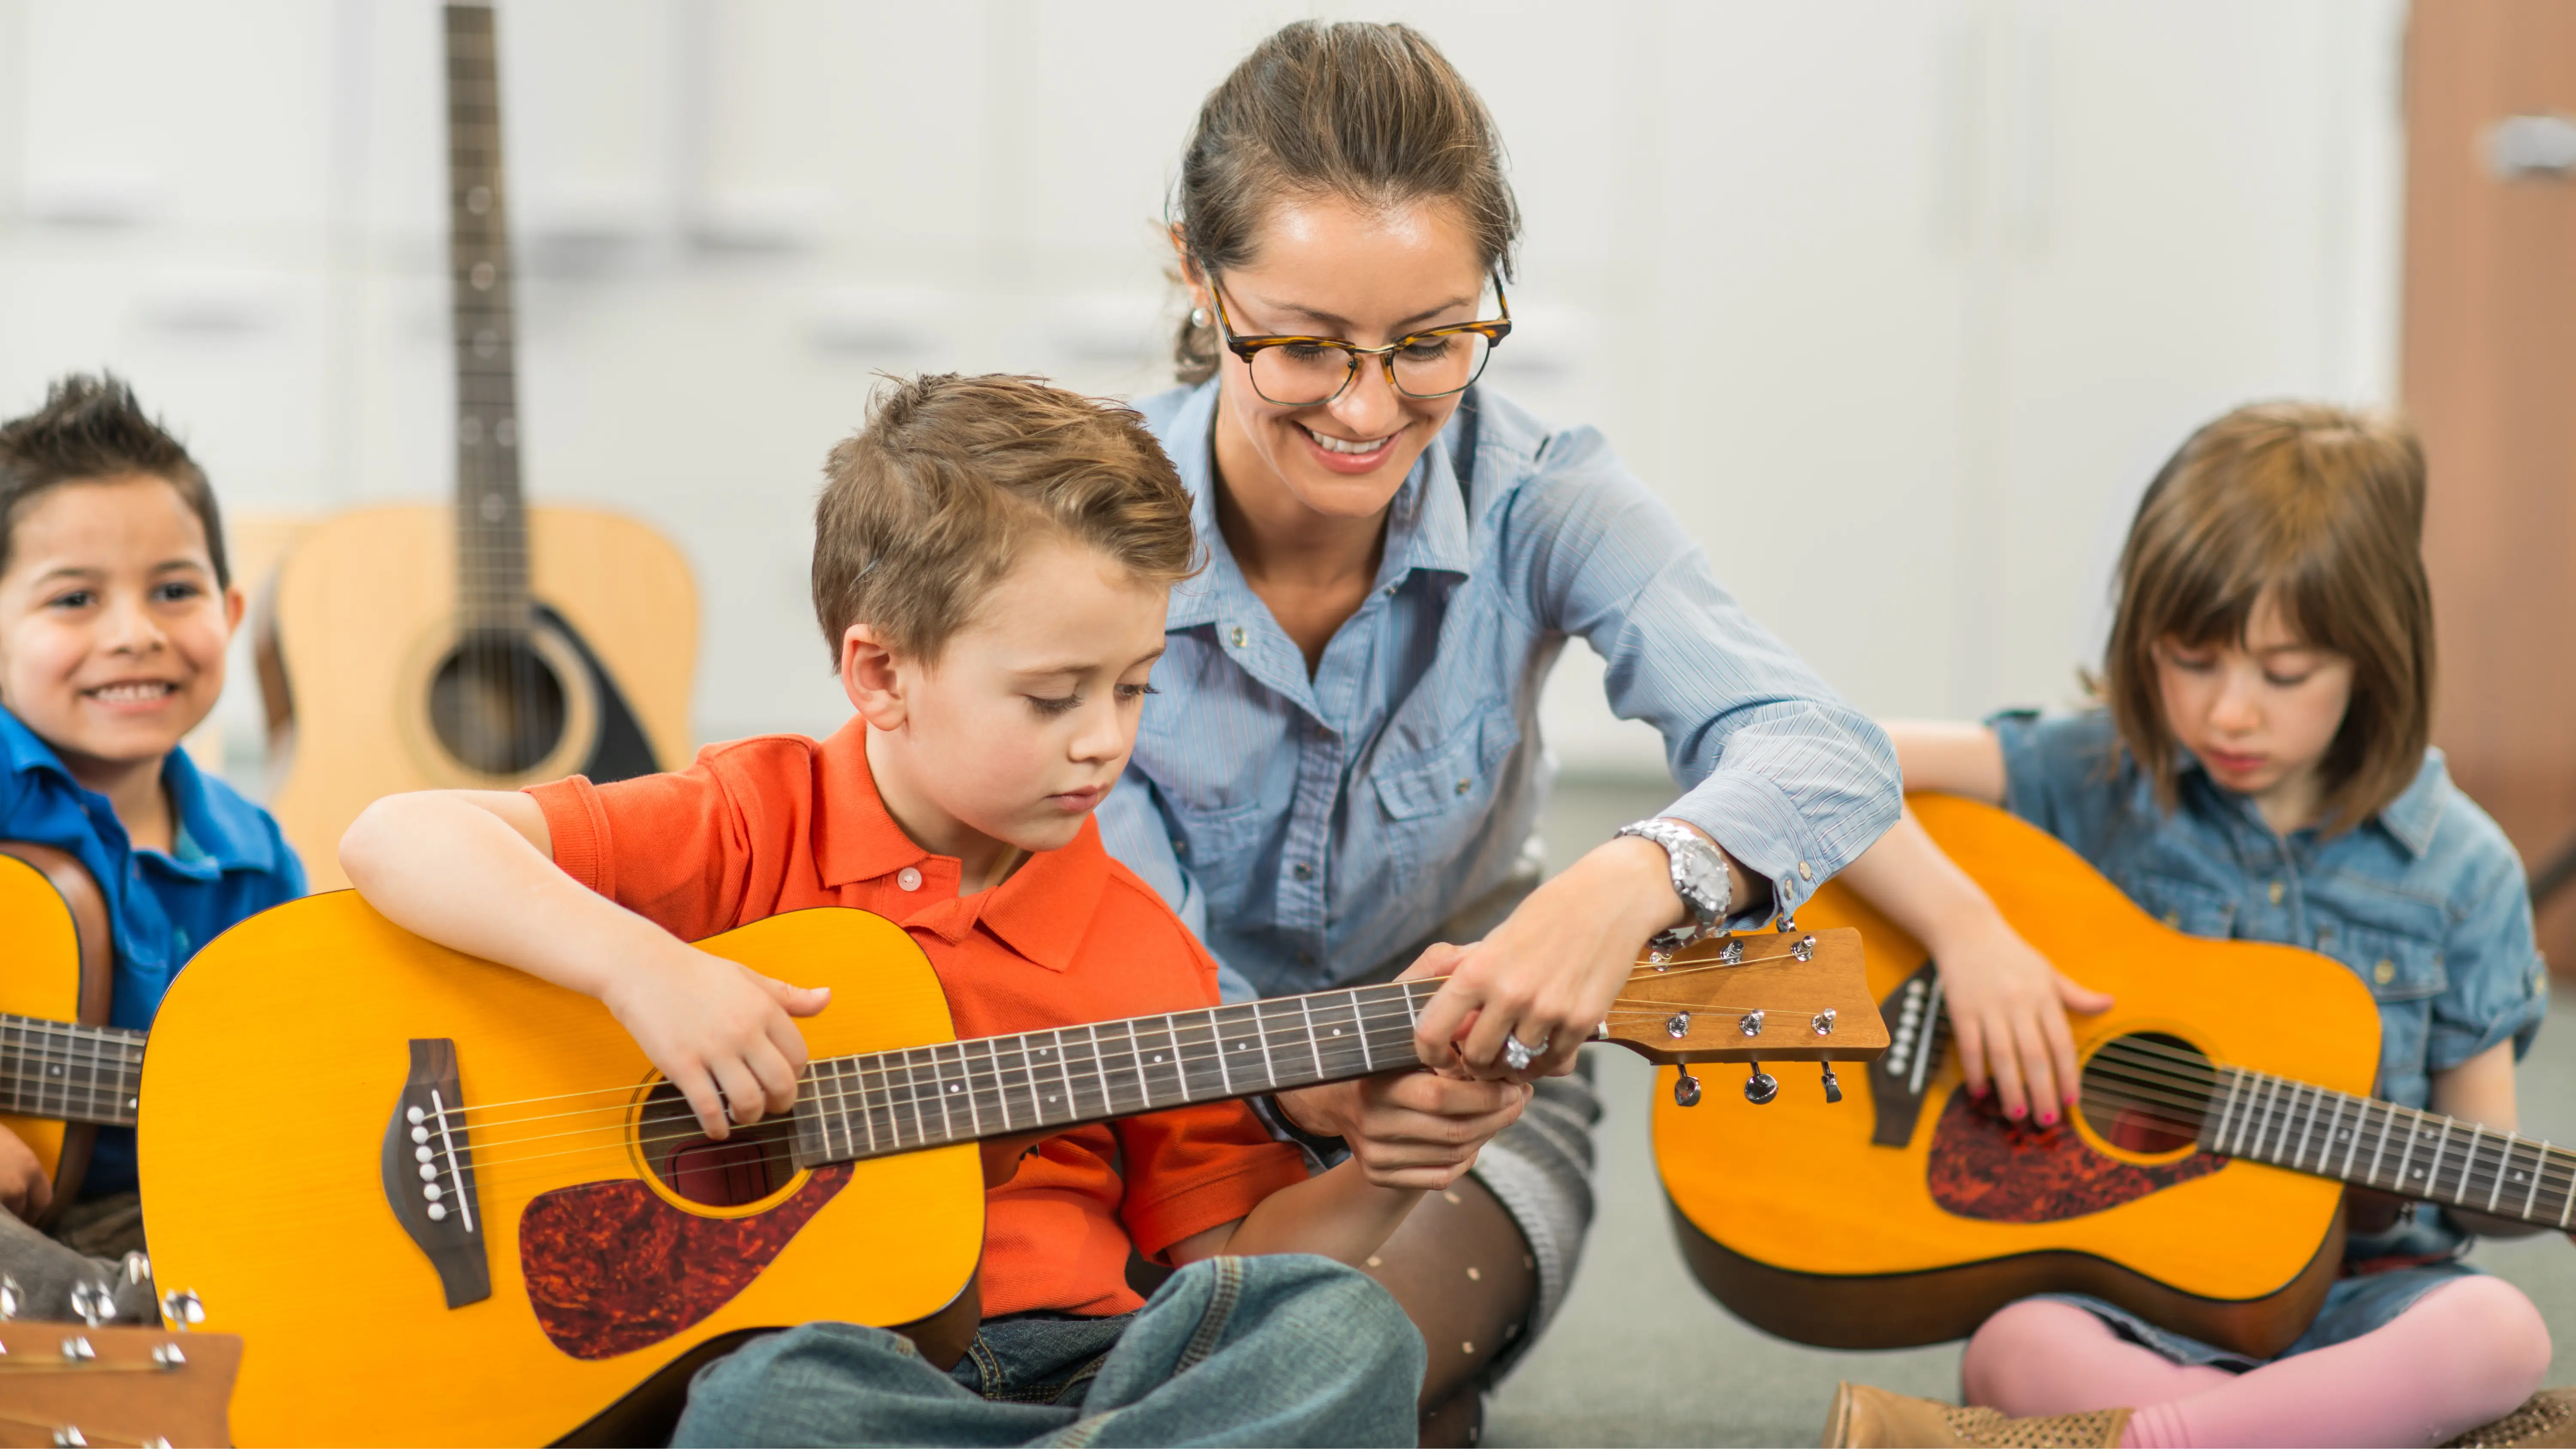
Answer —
228 860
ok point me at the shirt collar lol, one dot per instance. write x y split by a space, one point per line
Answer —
1042 911
226 831
1427 527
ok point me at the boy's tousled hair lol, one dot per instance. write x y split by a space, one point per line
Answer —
1371 113
2321 508
89 429
925 507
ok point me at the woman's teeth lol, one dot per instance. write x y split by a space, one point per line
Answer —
1343 445
135 693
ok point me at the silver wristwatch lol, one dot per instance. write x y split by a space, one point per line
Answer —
1699 878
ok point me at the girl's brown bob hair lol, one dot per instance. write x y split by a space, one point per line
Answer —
2322 509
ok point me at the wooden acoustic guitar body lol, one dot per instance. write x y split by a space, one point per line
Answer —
1909 1222
280 1171
57 963
365 610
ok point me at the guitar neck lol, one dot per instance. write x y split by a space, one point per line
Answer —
491 515
888 1102
2262 1118
68 1073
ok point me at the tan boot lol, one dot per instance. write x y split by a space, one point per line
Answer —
1867 1418
2547 1421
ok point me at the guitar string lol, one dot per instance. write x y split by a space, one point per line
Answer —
915 1093
1642 972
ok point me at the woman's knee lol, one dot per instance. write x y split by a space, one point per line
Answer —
2488 1333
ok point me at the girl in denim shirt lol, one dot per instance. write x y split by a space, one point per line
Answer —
2259 771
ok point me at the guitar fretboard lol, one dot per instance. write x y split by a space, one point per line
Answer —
888 1102
56 1070
491 520
2263 1118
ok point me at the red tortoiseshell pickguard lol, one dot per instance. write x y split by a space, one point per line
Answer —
612 1268
1985 1165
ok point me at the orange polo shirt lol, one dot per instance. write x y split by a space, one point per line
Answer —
781 822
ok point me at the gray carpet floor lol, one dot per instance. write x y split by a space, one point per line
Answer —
1642 1355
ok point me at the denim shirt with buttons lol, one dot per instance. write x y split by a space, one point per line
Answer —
2425 901
228 860
1314 827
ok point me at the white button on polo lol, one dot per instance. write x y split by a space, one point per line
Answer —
908 878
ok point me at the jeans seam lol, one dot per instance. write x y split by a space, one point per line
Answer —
1220 1312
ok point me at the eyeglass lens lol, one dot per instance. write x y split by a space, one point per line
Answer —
1301 374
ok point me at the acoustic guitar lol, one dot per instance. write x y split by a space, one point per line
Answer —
523 1224
485 645
2200 1183
70 1384
64 1073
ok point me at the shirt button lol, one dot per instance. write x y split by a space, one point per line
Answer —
1305 958
1389 591
2384 972
1305 871
1464 785
1180 846
908 878
2276 893
1806 871
1238 636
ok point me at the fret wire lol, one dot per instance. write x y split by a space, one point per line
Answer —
993 1064
2504 1165
2216 1128
2332 1123
2539 1166
1029 1078
1216 1035
1306 1012
1108 1104
1261 1029
2361 1117
2432 1173
2414 1135
964 1086
2308 1137
2380 1148
2290 1123
2281 1137
2253 1087
1064 1074
912 1095
2468 1160
1368 1058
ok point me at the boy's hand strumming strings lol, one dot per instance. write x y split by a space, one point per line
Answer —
719 1031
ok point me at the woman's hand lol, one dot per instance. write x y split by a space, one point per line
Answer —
2008 1009
718 1029
1549 973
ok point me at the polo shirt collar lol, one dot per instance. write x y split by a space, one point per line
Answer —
1042 911
25 753
216 831
1427 527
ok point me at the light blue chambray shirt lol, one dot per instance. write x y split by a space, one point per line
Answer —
1311 829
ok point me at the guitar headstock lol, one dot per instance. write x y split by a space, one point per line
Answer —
1755 997
63 1383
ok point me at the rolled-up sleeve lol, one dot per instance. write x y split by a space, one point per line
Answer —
1790 777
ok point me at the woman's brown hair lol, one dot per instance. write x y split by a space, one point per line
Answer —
2322 509
1374 113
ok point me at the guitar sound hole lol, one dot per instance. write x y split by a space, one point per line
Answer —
747 1166
2148 1092
496 704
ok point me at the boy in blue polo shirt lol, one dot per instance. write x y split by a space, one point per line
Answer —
116 610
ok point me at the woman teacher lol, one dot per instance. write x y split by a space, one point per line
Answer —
1343 765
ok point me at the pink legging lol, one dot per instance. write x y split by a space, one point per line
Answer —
2467 1352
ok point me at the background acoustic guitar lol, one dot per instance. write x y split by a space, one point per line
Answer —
525 1225
63 1071
62 1383
486 645
2200 1184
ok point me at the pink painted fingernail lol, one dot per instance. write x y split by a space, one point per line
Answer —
1977 1092
2048 1119
2014 1111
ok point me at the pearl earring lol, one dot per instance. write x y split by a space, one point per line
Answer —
1198 316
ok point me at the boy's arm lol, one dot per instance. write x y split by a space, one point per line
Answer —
2007 1004
474 870
25 1190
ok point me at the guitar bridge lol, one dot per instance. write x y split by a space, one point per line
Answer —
429 1173
1917 1036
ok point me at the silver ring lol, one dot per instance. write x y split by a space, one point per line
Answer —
1518 1054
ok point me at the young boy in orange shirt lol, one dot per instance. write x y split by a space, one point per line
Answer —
991 565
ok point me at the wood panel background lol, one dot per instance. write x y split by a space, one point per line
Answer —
2490 376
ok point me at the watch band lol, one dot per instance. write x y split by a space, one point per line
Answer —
1699 878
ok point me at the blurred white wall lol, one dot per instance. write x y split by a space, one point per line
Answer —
1898 302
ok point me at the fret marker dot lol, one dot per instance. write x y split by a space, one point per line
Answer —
482 276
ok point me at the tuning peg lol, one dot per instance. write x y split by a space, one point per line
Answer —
69 1437
1823 1022
1833 1084
1761 1087
1750 1024
1686 1089
1732 953
11 1298
183 1308
94 1302
1677 1025
1787 923
1805 950
169 1356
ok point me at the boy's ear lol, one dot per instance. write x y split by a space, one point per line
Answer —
869 677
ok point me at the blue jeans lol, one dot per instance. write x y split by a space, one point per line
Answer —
1279 1349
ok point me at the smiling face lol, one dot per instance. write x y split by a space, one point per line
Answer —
2260 714
1015 733
1326 267
112 627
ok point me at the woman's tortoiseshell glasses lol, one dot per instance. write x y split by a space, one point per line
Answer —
1300 372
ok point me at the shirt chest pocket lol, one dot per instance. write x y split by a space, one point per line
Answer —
1442 792
2394 966
2186 906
